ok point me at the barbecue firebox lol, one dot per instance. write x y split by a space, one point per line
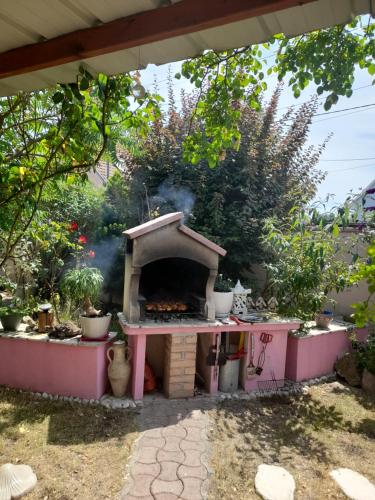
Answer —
170 271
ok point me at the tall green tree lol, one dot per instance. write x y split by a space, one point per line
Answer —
272 168
59 133
327 58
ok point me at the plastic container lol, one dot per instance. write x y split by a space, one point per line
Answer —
229 375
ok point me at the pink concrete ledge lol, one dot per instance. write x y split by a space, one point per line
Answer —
54 367
315 354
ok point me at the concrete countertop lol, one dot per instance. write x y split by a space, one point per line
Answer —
337 325
21 334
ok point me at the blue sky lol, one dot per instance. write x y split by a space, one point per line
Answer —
353 131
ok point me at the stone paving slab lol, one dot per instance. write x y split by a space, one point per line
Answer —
170 458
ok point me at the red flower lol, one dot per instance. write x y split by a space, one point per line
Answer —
73 226
91 254
82 239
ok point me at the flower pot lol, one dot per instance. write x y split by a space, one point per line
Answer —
119 368
95 327
323 319
11 322
223 303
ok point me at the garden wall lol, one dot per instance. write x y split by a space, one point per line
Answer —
315 354
54 367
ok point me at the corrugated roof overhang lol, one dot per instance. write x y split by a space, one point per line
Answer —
25 22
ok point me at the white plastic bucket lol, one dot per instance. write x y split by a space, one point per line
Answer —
228 376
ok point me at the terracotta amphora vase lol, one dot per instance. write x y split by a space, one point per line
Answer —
119 368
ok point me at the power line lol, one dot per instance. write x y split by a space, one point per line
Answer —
322 98
345 109
340 116
350 159
350 168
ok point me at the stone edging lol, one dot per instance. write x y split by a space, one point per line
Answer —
108 401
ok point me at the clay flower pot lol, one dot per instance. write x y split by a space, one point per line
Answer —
323 319
11 322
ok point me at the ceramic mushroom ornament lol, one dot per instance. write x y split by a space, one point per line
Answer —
16 481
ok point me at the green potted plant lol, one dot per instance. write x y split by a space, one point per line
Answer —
11 315
223 295
82 286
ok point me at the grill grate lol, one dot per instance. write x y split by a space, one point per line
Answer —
165 317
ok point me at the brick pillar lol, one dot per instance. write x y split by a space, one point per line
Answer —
179 367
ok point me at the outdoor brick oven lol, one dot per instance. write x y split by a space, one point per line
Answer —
170 271
169 313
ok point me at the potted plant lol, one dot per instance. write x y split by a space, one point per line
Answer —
83 286
11 315
323 318
223 295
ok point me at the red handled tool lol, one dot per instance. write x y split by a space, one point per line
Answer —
265 338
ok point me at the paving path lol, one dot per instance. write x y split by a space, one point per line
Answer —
170 458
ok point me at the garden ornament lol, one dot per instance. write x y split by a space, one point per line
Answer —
250 303
240 298
119 367
273 304
16 481
260 304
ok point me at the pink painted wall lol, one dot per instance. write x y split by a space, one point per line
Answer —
274 363
315 356
66 370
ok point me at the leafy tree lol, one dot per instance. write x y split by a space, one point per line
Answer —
271 169
79 202
305 264
56 134
365 311
326 57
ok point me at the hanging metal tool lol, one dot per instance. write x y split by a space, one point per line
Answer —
265 338
251 368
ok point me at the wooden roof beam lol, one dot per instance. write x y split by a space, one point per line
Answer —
186 16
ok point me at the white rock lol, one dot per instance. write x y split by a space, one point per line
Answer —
132 404
354 485
45 395
274 483
92 401
125 404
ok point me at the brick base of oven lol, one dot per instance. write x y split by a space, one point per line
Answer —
179 367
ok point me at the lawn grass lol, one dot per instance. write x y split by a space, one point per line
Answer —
76 451
332 426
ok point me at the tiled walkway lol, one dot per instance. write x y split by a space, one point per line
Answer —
170 459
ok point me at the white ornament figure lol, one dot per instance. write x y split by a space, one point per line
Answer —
273 304
250 303
260 304
240 298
